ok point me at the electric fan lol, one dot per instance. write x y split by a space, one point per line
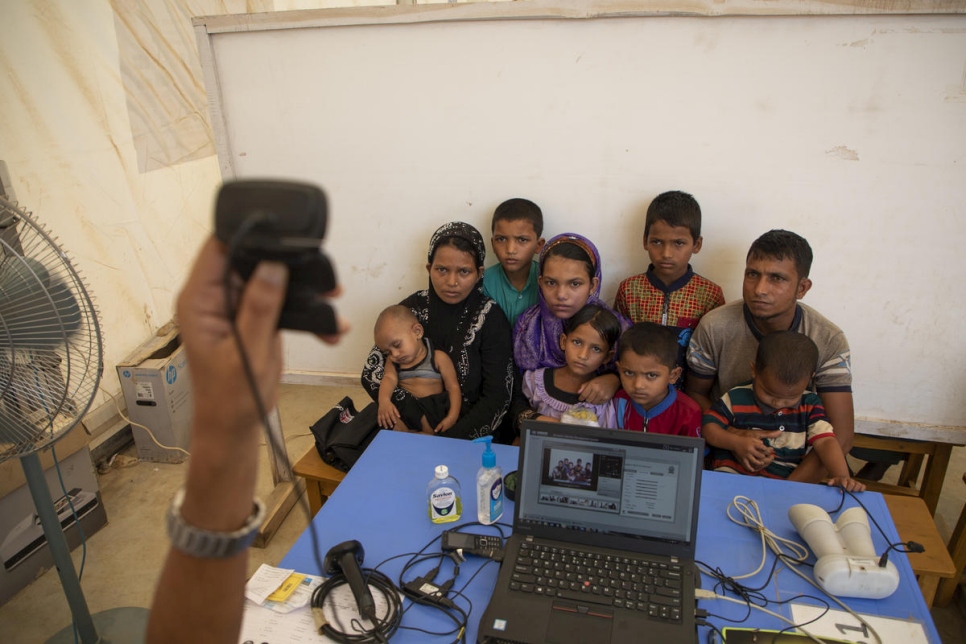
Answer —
50 367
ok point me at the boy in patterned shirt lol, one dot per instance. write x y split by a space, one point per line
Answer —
670 293
775 414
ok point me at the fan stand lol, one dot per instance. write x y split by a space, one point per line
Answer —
127 625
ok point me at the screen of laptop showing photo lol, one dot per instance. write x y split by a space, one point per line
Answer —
621 483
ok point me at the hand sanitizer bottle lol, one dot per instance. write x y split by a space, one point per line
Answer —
445 505
489 486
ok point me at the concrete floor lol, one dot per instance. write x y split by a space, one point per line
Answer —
124 559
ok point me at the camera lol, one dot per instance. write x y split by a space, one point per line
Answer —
282 221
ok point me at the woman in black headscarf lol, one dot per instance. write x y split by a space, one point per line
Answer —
470 327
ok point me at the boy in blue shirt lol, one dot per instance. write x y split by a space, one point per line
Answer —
517 226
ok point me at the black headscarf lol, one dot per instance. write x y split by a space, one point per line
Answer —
449 324
475 335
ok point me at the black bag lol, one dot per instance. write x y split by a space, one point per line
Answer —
343 433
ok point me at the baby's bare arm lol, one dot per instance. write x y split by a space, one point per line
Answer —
387 413
390 380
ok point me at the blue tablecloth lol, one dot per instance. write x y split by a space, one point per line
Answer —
382 503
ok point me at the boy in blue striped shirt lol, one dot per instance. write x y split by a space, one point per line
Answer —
774 419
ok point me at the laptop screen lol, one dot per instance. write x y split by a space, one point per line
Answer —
608 484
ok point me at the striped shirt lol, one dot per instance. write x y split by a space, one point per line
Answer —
800 426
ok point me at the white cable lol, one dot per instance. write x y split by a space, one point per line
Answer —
128 420
797 553
751 518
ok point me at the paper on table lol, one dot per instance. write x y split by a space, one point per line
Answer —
262 624
840 625
264 582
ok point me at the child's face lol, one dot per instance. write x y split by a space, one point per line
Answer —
515 243
453 273
670 249
401 342
565 285
645 379
584 350
774 393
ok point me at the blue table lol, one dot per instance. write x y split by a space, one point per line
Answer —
382 503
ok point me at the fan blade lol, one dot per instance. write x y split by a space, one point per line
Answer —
38 311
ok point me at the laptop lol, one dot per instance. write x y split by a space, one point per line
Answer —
603 542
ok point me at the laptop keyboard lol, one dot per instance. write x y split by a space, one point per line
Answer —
650 587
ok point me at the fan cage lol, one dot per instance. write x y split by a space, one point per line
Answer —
50 340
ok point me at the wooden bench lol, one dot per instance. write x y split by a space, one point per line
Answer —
957 548
321 479
914 522
932 444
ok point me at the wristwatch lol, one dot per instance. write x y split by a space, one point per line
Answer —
206 544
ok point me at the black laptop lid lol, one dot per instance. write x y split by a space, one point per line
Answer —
626 490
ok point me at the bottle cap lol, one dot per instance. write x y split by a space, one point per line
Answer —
442 471
489 456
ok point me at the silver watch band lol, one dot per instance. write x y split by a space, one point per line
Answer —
207 544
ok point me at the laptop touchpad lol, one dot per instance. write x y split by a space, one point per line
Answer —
568 625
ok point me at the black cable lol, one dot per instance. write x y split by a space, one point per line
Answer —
420 557
908 546
384 627
245 228
460 593
788 628
752 596
711 633
725 583
460 623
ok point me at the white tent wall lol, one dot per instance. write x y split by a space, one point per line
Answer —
66 138
66 134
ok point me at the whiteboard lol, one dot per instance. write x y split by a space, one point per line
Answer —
849 130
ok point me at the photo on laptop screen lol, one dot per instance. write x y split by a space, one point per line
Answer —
627 485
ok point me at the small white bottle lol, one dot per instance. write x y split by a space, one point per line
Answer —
443 492
489 486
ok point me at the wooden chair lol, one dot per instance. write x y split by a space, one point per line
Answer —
936 457
957 549
321 479
915 523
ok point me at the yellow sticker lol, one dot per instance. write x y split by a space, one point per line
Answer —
287 588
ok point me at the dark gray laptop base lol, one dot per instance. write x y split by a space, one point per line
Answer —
631 505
